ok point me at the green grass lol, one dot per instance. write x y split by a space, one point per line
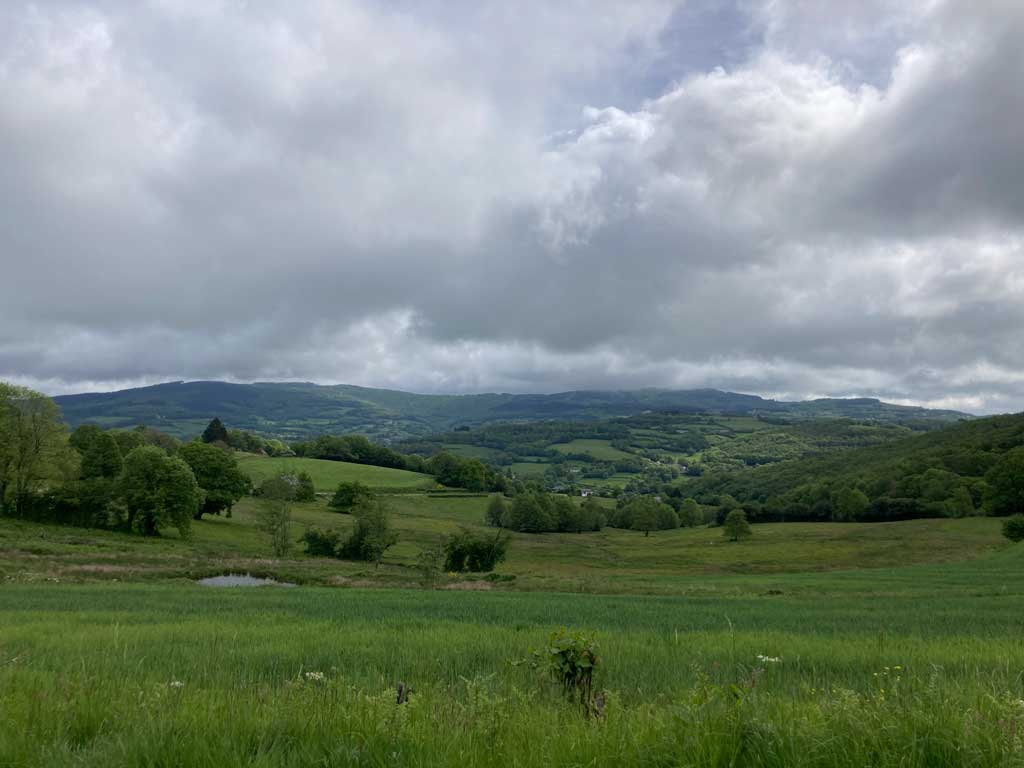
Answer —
327 474
599 449
528 469
918 666
899 645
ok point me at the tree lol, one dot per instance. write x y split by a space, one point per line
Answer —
215 432
33 445
961 504
276 495
497 508
736 526
373 534
643 515
1006 484
850 504
1013 528
157 490
592 517
568 514
304 488
100 454
350 495
218 475
690 514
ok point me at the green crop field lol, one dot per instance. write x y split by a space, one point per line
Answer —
599 449
327 474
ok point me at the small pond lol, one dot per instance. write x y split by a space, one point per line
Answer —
242 580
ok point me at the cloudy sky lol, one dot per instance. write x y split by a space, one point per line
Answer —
794 198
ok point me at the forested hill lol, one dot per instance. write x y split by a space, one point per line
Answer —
298 410
946 472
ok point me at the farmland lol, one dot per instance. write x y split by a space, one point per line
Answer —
915 666
327 474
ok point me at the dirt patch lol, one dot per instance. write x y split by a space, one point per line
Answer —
472 586
101 568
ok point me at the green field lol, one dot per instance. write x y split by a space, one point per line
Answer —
327 474
887 644
918 666
599 449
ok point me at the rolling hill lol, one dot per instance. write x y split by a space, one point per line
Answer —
299 410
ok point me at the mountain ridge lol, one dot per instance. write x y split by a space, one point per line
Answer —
293 410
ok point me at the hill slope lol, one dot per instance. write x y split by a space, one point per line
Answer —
298 410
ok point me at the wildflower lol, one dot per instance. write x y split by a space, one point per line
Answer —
176 684
315 676
769 659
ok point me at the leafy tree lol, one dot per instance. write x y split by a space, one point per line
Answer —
736 526
961 504
497 508
850 504
690 514
218 475
128 440
99 451
276 495
429 562
373 534
1013 528
157 490
1006 484
215 432
167 443
643 514
592 516
531 512
33 445
350 495
568 514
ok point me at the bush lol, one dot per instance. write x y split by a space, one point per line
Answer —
320 543
478 553
350 495
571 659
373 534
1013 528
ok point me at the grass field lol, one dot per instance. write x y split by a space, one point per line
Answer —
893 644
919 666
327 474
599 449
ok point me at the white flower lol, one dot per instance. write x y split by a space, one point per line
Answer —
317 676
176 684
769 659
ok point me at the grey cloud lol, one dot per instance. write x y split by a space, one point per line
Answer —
454 197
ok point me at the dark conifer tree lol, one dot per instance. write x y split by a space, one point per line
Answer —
215 432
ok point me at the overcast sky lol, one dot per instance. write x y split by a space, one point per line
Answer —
794 199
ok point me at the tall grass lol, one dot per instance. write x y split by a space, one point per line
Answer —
914 670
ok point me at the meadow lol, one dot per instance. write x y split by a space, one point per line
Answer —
916 666
327 474
810 644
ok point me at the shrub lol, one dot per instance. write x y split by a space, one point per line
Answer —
350 495
571 659
304 489
320 543
1013 528
478 553
373 534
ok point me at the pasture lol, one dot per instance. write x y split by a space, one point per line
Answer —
917 666
327 474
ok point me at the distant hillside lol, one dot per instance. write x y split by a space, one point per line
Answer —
294 411
917 476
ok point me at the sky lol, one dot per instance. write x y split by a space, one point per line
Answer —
789 198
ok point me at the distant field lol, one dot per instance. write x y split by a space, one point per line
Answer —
327 474
599 449
528 469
